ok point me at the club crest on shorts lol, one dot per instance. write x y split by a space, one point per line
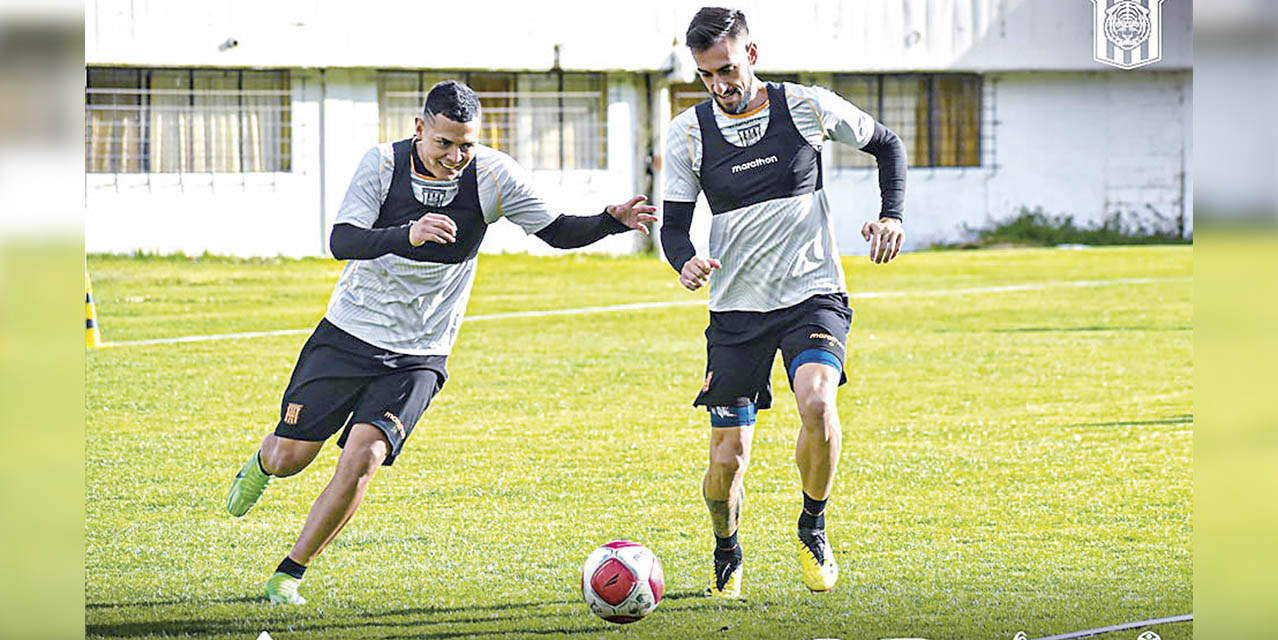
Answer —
1127 33
292 413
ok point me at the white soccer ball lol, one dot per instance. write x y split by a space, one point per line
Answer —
622 581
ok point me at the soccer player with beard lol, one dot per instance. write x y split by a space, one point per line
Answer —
409 228
754 150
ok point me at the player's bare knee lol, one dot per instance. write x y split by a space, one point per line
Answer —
362 462
728 472
283 461
729 463
816 404
361 458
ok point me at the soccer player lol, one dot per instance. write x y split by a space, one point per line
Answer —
754 150
409 228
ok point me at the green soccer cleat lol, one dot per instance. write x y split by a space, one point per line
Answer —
282 589
816 560
725 584
247 487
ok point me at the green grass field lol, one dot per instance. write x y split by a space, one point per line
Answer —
1013 460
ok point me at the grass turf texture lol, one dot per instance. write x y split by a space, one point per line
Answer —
1012 461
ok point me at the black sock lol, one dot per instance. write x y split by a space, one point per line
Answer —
259 464
813 516
726 546
291 568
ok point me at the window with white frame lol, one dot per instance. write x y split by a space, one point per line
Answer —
543 120
938 116
187 121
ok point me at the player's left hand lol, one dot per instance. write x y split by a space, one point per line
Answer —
632 213
885 237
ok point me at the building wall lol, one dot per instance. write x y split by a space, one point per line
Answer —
1066 134
798 35
335 120
1084 144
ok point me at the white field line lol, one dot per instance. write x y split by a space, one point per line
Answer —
1119 627
863 295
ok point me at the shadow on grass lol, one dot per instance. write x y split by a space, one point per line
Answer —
165 603
508 632
1087 329
511 615
347 627
426 611
193 627
1180 419
252 625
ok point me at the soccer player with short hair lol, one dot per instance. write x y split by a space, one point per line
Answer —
409 228
754 150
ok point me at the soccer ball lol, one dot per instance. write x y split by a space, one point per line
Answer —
622 581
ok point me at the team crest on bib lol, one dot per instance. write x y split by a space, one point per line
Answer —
749 135
1127 33
433 195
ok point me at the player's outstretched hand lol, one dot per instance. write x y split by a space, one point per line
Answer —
696 272
885 237
632 213
432 227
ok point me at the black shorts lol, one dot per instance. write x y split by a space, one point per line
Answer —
741 345
340 381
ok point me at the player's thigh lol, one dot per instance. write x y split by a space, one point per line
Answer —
816 334
394 403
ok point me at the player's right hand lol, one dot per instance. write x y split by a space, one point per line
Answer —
432 227
696 272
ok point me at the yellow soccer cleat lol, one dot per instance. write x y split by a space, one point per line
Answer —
726 581
816 560
282 589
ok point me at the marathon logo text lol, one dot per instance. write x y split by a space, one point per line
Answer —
757 162
824 336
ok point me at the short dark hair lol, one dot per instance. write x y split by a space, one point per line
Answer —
453 100
712 24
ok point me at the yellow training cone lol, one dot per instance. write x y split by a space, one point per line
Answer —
92 338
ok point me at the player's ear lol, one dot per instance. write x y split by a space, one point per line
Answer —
419 127
752 53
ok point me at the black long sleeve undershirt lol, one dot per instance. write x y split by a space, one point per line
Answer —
570 232
349 242
676 221
889 153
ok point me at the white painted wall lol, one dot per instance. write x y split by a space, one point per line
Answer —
1071 136
1086 144
335 120
796 35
